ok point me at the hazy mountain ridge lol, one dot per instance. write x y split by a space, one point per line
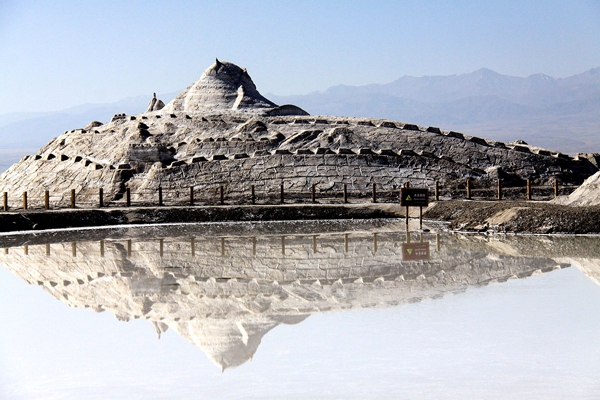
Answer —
559 113
534 90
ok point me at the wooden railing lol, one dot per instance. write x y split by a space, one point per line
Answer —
217 195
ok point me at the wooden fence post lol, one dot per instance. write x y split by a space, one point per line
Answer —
375 242
191 195
24 200
374 193
222 192
160 196
499 194
437 191
345 192
72 198
100 197
406 185
469 189
128 197
555 187
314 193
253 196
528 189
5 201
47 200
282 194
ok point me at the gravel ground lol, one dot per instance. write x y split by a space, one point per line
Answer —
516 217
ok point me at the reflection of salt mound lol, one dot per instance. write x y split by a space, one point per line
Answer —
588 194
229 343
159 327
223 294
589 266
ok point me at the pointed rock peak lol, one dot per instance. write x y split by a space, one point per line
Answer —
223 86
218 64
155 104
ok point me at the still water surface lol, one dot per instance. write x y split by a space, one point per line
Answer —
297 310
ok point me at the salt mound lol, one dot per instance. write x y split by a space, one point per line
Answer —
223 86
588 194
222 131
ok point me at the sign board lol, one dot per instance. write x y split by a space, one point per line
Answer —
415 251
412 197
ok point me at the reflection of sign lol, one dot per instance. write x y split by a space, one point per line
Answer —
415 251
410 197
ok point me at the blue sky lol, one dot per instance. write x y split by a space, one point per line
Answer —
58 54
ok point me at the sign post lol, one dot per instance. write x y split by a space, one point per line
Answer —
414 197
415 251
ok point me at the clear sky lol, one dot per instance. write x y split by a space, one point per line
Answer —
57 54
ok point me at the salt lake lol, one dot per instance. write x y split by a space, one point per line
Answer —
295 310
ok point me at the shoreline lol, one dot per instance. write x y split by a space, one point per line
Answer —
21 221
458 215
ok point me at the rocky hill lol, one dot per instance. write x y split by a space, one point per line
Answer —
221 130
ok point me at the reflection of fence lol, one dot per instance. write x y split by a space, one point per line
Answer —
218 195
296 246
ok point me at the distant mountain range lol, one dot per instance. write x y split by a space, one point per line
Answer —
560 114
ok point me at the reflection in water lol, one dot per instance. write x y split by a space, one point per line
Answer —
223 288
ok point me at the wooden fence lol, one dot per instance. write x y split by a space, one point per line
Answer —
217 195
